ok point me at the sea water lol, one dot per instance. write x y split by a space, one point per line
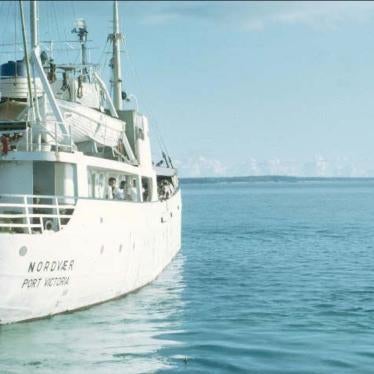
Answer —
273 277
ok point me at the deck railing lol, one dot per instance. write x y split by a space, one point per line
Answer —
32 214
37 137
56 141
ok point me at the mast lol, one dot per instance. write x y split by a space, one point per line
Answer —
34 18
116 38
26 58
34 32
81 30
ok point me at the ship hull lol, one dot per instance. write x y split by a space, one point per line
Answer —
108 249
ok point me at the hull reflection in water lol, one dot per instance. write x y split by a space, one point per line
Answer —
122 336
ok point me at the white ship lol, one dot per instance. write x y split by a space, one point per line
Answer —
85 214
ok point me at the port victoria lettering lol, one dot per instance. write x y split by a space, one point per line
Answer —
48 267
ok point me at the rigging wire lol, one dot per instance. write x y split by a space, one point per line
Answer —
9 31
102 55
15 32
160 140
3 10
73 8
1 7
48 23
64 14
132 67
56 20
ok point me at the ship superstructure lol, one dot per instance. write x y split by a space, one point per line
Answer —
85 214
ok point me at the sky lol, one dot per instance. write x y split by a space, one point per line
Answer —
240 88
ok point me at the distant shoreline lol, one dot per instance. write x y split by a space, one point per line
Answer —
272 178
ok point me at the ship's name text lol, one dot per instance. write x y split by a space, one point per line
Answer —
50 266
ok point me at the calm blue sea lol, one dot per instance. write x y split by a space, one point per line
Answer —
273 277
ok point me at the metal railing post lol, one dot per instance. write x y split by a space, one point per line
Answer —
27 214
71 138
35 213
58 213
30 139
56 144
27 137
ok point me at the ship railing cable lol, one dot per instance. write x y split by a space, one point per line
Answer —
154 121
32 214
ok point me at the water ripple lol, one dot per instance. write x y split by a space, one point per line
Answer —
273 278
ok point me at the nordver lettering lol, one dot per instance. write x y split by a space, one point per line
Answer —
51 266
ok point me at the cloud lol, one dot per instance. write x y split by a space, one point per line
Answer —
158 13
201 166
256 16
319 166
321 15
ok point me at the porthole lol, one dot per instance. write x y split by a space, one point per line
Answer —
23 251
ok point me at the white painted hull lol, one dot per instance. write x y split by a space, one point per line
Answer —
108 249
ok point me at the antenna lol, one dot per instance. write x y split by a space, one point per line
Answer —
116 38
81 30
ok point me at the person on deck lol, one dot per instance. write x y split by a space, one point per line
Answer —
121 194
112 189
134 191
